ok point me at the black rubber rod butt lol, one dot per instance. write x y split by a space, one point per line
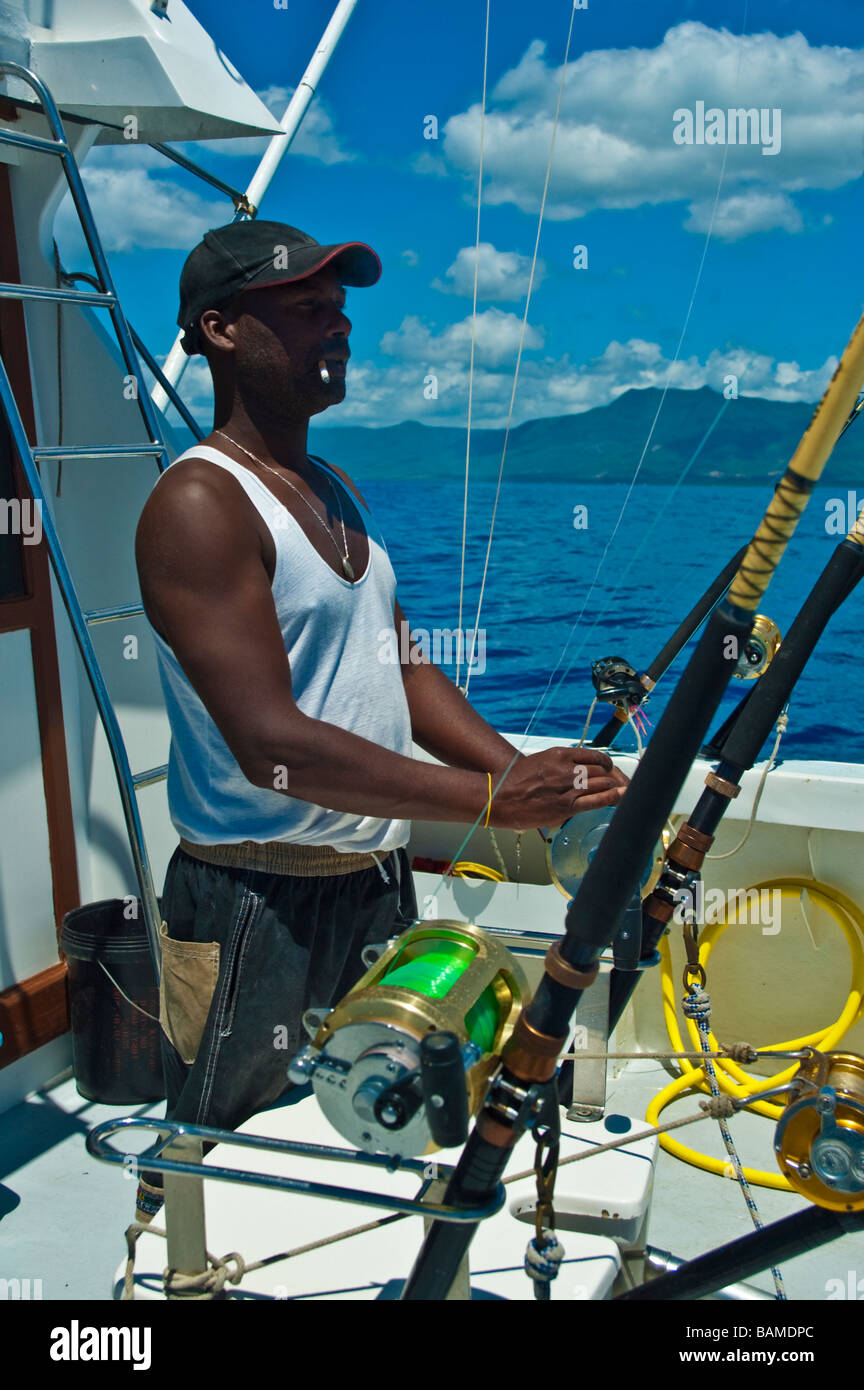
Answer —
445 1094
628 842
749 1255
682 634
478 1174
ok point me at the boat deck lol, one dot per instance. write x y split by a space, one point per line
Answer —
63 1214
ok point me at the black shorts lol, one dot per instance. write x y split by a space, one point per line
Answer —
285 944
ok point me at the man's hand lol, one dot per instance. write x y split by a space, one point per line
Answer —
545 789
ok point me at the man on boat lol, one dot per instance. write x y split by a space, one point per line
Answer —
291 778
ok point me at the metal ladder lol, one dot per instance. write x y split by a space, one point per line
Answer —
103 296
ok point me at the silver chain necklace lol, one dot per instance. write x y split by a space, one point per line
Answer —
347 567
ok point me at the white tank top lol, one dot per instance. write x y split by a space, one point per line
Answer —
336 638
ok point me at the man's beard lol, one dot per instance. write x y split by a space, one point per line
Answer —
284 392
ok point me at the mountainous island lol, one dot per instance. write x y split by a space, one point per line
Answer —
752 443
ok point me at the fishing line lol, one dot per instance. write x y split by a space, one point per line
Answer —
661 402
473 334
521 343
434 973
634 556
474 826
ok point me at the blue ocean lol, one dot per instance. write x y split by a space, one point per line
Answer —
558 596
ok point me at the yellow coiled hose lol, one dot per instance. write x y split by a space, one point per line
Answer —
730 1077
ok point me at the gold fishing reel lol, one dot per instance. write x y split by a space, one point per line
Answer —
819 1140
759 650
571 847
406 1056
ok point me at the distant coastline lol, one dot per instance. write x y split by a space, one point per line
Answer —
750 444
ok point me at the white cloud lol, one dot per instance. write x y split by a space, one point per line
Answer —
496 341
500 274
316 138
548 386
745 213
196 389
614 146
409 257
134 211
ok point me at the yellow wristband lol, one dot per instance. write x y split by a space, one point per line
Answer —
489 806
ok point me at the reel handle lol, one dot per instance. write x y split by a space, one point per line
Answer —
445 1095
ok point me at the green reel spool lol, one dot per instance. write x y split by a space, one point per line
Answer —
434 973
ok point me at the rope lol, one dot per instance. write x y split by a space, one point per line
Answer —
697 1006
782 725
587 722
709 1107
125 996
208 1284
735 1052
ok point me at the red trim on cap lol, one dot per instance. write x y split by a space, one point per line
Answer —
291 279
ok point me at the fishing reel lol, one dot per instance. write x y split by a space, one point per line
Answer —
759 649
617 682
819 1140
571 848
401 1062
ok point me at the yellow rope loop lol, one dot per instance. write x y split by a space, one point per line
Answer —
733 1081
466 867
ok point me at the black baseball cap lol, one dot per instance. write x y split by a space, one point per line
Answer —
251 255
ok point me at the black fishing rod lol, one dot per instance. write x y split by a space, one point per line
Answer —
757 716
518 1093
772 1245
640 686
682 634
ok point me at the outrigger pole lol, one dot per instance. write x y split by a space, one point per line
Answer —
176 361
517 1094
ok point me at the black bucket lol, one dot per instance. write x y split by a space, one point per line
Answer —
116 1049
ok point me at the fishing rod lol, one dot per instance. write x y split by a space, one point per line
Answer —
756 716
633 689
520 1092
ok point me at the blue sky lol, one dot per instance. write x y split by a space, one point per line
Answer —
780 288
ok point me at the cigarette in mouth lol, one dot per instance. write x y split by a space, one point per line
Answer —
325 375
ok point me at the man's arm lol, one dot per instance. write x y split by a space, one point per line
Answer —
443 722
205 587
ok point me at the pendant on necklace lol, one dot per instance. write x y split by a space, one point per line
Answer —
347 567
